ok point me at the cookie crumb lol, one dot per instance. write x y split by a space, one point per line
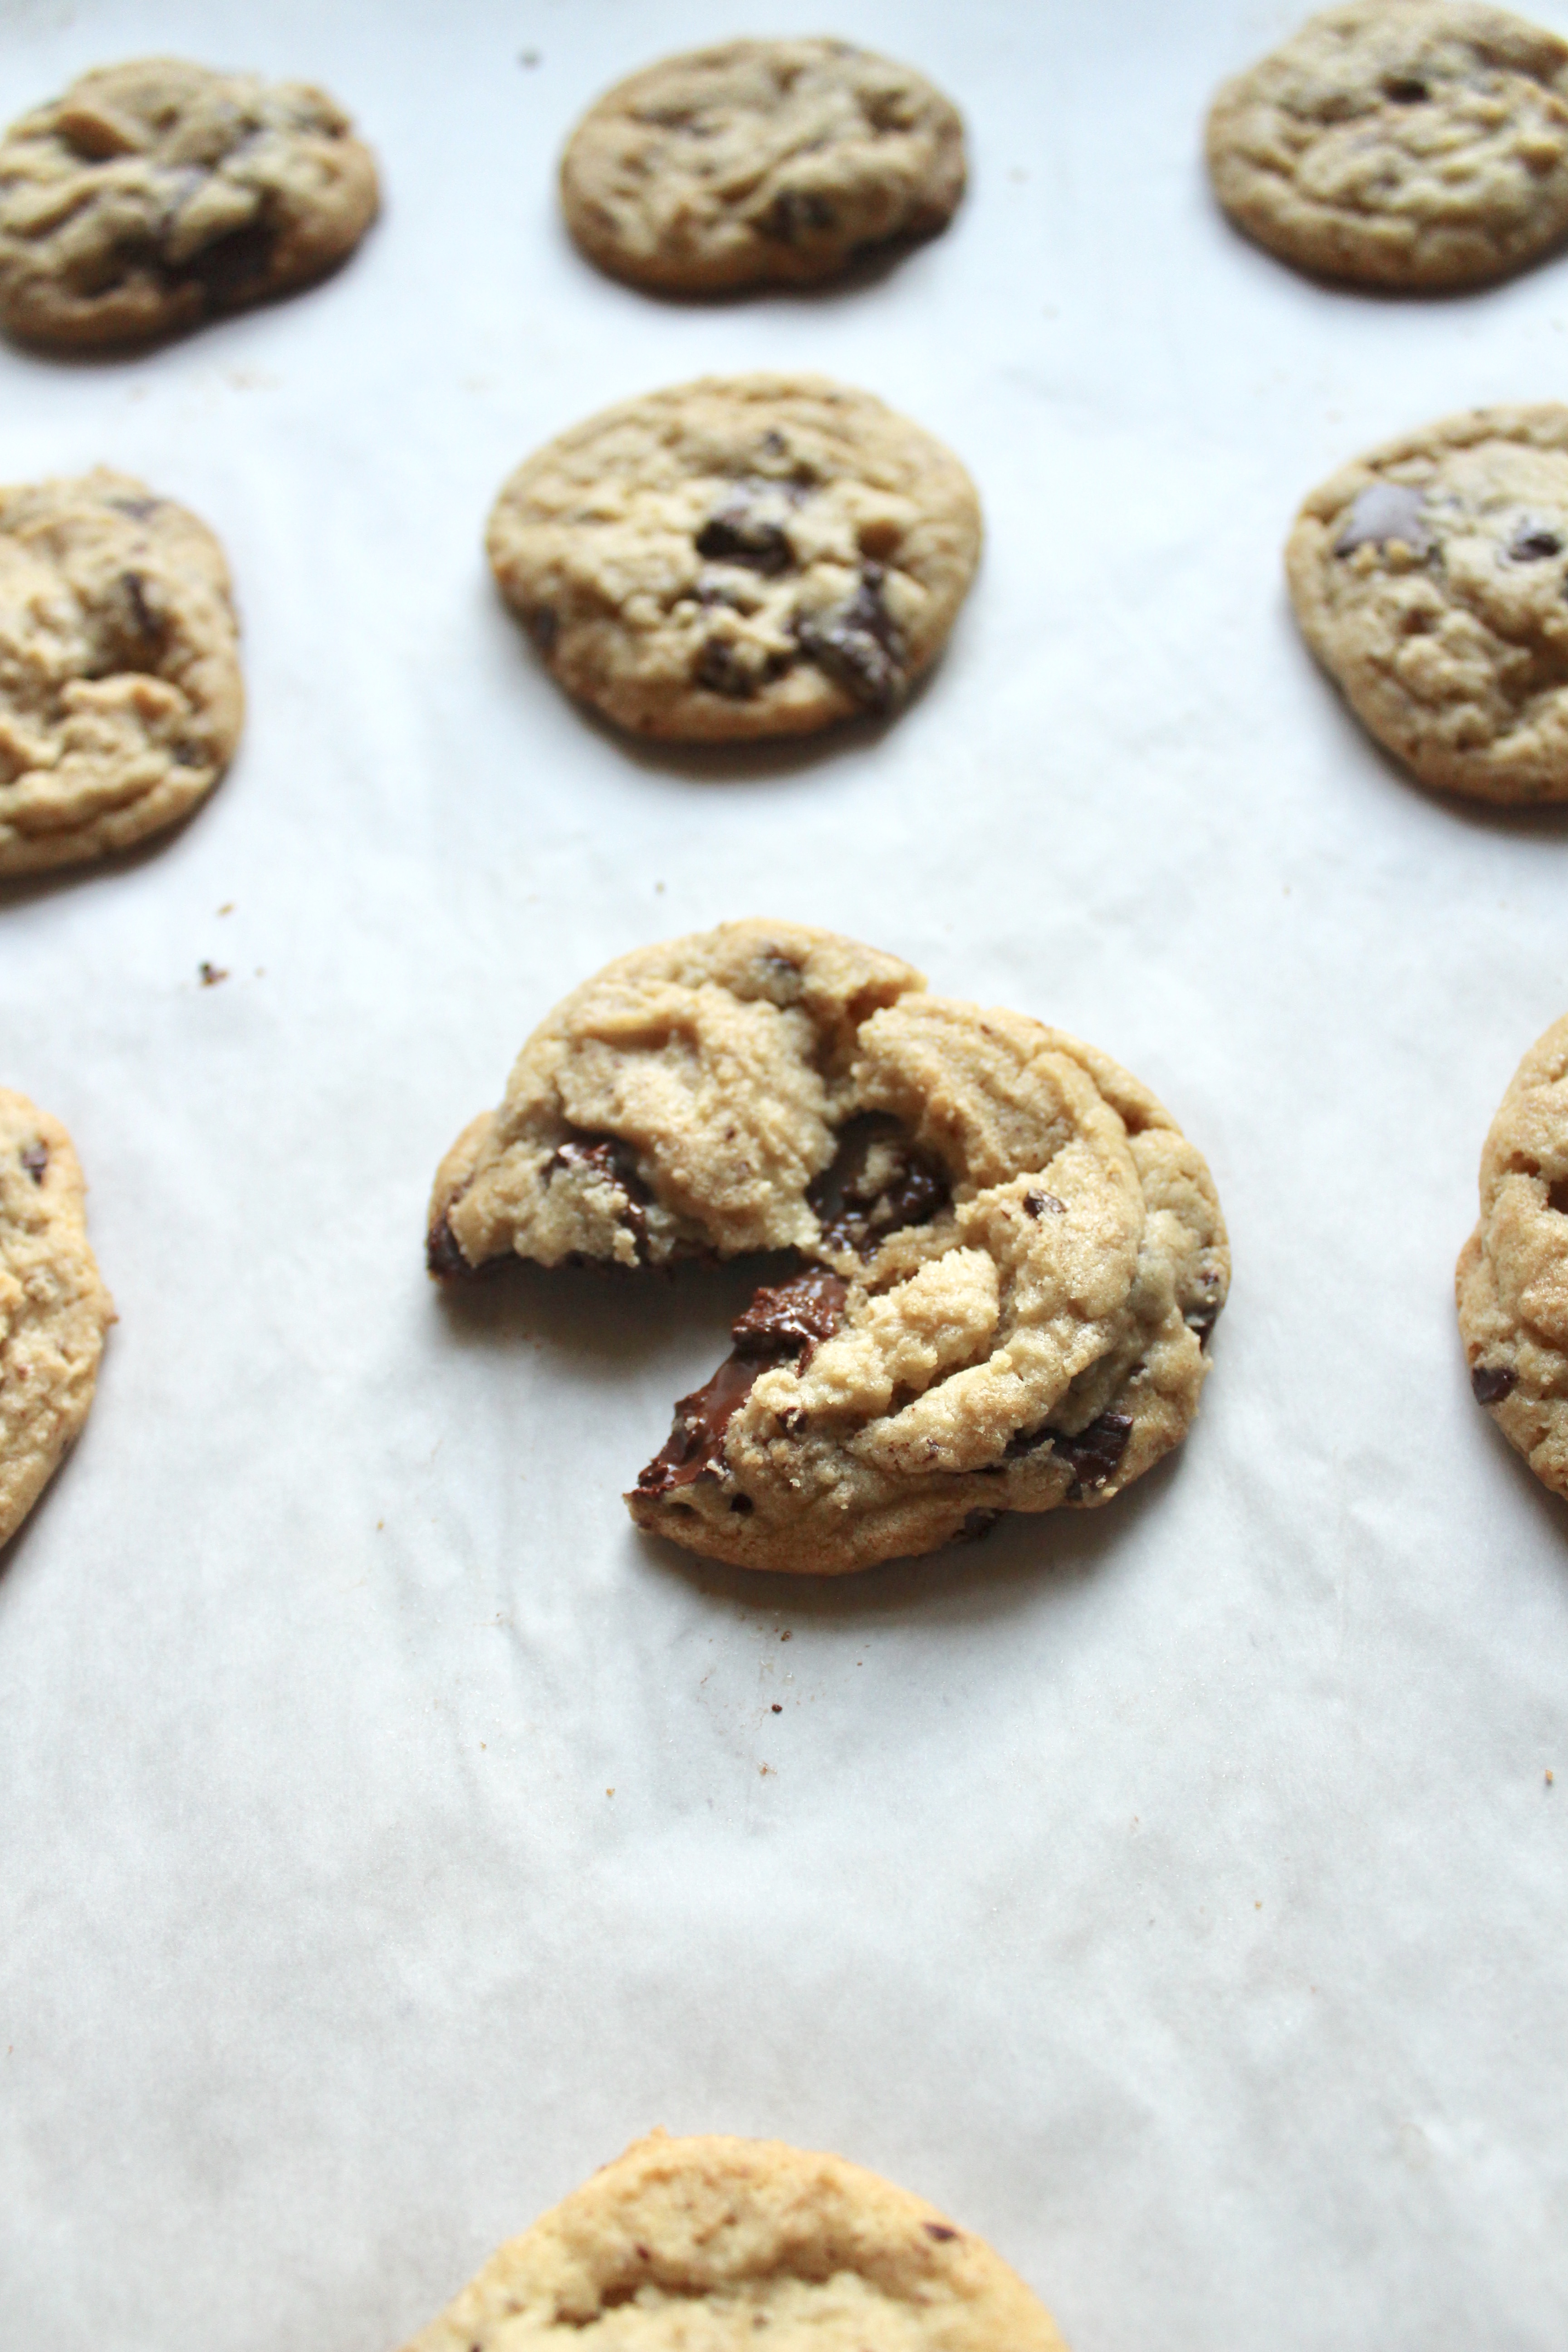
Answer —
778 1710
1549 1776
227 906
210 974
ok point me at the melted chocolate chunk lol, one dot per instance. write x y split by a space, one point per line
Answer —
878 1183
781 1325
739 532
720 670
796 214
1492 1383
1535 543
1036 1204
34 1158
858 643
1382 512
1091 1455
233 269
443 1258
1404 89
610 1161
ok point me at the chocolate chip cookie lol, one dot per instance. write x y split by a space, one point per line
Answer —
120 699
156 193
745 556
1511 1282
1418 144
54 1310
760 162
716 2242
1431 581
1011 1259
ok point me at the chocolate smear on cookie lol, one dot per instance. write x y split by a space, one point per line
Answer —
608 1160
858 643
783 1324
1091 1454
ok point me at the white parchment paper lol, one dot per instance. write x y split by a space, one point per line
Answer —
1176 1894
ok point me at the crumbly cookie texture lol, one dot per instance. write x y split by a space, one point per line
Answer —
711 2244
1511 1282
760 162
153 195
743 556
54 1310
1431 581
1012 1259
120 699
1420 144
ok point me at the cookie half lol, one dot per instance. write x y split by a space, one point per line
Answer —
157 194
1011 1258
1511 1282
743 556
1415 144
760 162
54 1310
1431 581
716 2242
120 698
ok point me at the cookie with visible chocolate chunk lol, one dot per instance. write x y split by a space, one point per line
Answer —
120 699
715 2242
760 162
54 1309
1011 1258
745 556
156 193
1511 1282
1431 581
1416 144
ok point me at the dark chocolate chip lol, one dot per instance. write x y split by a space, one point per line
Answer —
137 509
1535 543
609 1161
938 2231
35 1160
858 643
742 1503
720 670
738 533
1404 89
878 1183
1492 1383
781 1325
235 269
1036 1204
443 1258
1385 511
976 1525
796 214
144 622
1200 1320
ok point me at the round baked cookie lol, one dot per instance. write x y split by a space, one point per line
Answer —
1417 144
1431 581
704 2245
1011 1258
743 556
54 1310
120 699
1511 1282
760 162
156 193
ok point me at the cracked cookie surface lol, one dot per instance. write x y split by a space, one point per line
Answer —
1511 1282
711 2243
54 1309
120 699
1431 581
1415 144
1011 1258
156 193
760 162
745 556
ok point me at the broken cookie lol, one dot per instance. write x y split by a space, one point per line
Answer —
1011 1258
742 557
712 2242
120 698
157 194
54 1309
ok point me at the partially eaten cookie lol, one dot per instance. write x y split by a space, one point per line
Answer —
1011 1258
